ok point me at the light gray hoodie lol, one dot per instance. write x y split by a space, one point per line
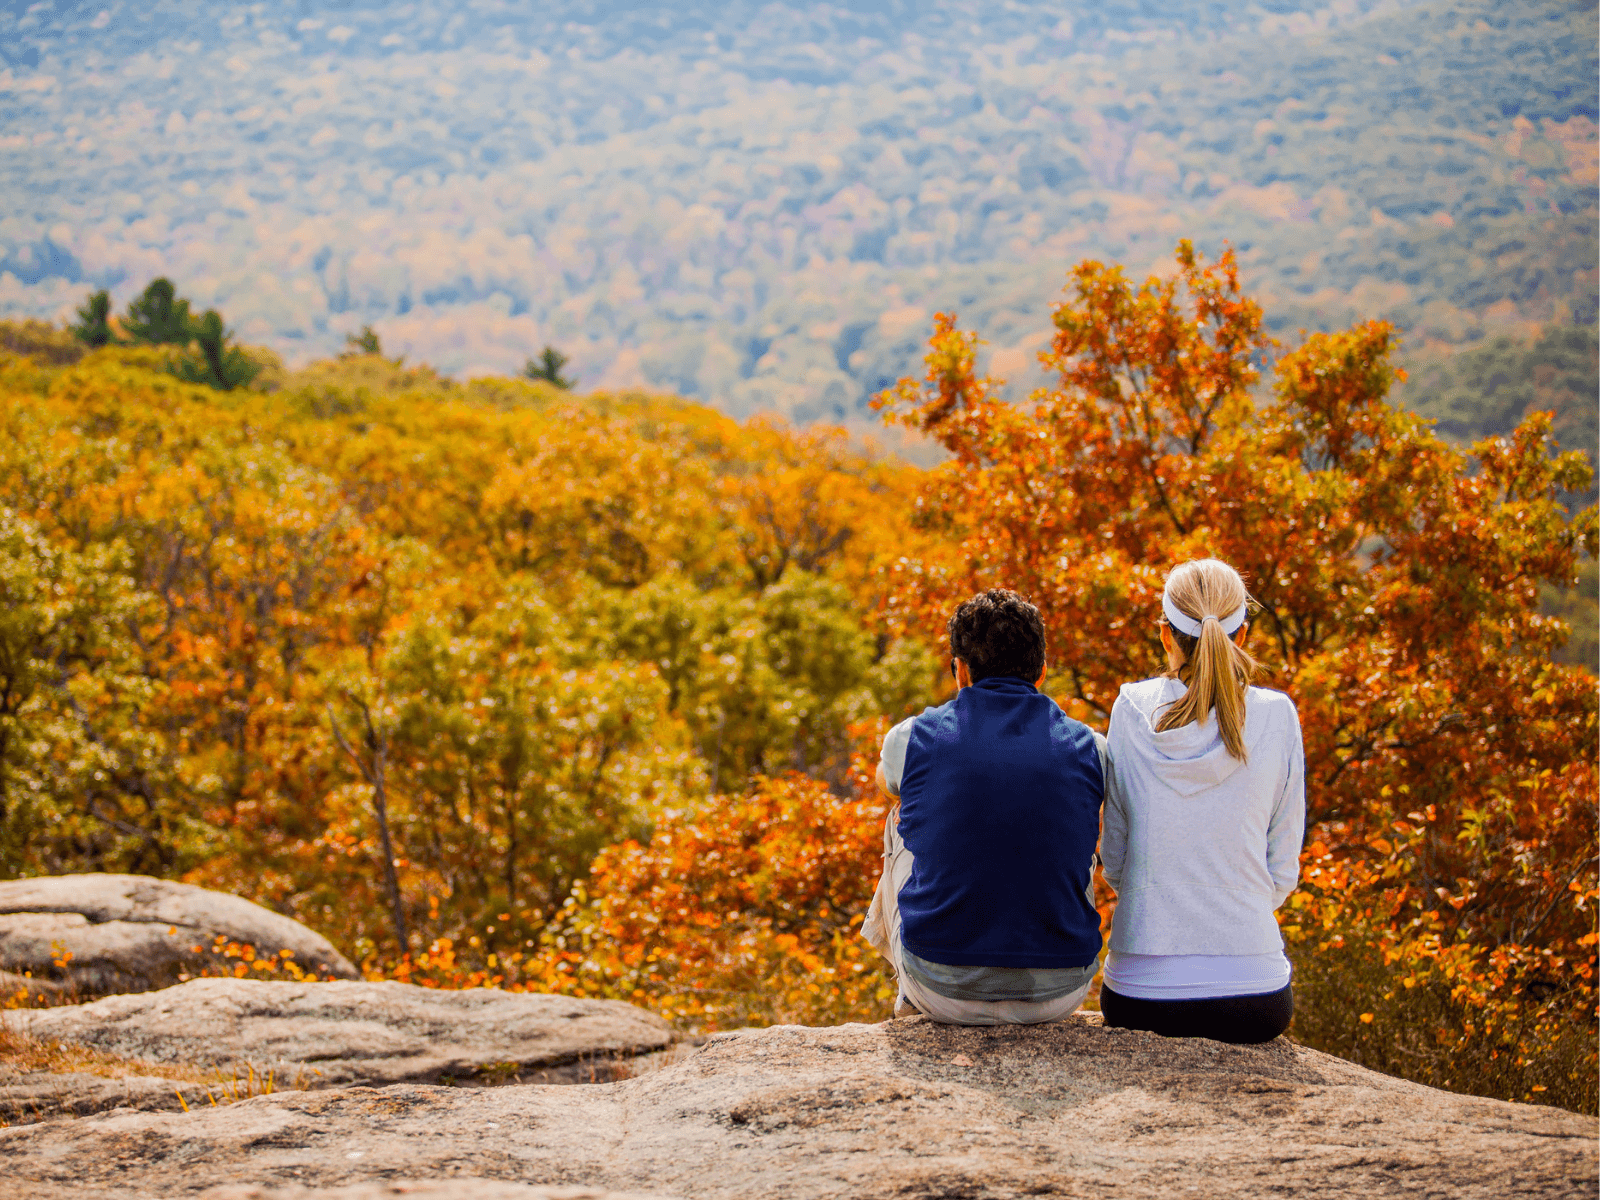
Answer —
1202 848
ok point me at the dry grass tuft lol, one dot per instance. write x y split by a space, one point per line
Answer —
191 1086
22 1052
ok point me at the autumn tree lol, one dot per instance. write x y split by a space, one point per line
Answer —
370 749
807 500
1450 762
82 781
541 603
742 909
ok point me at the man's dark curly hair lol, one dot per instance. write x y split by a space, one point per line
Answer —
998 633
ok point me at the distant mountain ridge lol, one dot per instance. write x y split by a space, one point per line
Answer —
762 205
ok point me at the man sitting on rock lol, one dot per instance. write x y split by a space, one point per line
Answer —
986 904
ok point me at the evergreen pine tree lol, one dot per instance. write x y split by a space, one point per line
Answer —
93 327
547 368
159 317
220 365
365 342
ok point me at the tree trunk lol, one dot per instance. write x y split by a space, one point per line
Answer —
375 775
511 850
380 803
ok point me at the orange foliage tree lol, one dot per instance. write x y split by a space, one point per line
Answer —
1450 763
498 685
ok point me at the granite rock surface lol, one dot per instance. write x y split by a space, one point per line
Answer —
428 1189
310 1035
907 1109
29 1096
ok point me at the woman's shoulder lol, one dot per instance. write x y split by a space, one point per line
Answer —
1134 712
1270 702
1146 693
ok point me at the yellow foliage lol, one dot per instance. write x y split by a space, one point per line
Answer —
544 618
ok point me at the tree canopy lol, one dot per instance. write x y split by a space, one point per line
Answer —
1450 762
496 683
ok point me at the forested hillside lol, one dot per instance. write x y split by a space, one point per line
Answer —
762 206
552 619
1488 388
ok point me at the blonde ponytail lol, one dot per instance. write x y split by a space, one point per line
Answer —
1216 670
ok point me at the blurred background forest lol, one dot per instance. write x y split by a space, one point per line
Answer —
760 206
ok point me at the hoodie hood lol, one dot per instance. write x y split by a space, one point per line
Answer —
1189 759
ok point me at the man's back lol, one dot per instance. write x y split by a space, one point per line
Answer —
999 804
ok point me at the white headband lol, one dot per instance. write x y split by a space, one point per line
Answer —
1184 623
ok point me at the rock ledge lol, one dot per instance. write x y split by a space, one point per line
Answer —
907 1109
310 1035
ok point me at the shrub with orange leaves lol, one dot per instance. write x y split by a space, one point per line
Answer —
1450 762
744 910
1392 987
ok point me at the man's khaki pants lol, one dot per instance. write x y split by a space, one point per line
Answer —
882 931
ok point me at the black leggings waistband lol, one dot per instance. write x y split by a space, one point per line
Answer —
1241 1020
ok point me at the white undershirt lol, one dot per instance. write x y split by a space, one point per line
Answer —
1195 976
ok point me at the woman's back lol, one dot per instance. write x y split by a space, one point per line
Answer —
1203 846
1201 838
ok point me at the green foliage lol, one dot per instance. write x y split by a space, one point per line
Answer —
84 783
1486 390
768 682
218 364
547 367
158 317
507 774
365 342
94 328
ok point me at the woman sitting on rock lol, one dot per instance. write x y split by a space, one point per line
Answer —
1202 839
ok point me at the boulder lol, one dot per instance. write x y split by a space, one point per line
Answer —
325 1034
130 933
906 1109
